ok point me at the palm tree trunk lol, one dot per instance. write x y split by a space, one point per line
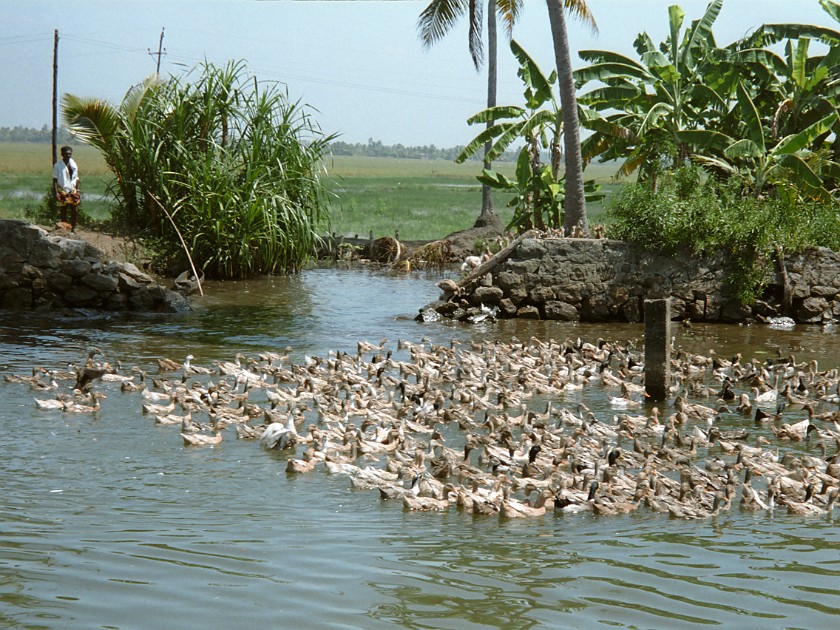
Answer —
575 202
488 216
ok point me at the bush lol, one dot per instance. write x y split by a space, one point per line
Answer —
225 163
689 210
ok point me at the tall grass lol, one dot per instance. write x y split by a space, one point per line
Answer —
231 164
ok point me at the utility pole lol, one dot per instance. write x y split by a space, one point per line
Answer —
160 52
55 101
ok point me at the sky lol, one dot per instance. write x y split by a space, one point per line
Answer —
359 65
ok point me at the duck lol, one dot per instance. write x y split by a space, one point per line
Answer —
155 397
795 432
168 365
94 406
696 510
53 404
130 386
201 439
279 436
694 411
570 503
305 464
471 263
33 379
86 375
513 508
370 419
189 368
767 397
153 409
621 402
172 418
414 503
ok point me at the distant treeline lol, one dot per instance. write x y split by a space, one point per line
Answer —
375 148
28 134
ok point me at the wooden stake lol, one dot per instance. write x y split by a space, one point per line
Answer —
657 348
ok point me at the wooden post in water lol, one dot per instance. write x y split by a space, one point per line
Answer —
657 348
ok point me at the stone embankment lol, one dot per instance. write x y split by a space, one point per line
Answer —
43 271
594 280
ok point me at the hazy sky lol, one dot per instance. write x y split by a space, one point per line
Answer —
358 63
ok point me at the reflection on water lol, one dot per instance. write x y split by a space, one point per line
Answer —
108 521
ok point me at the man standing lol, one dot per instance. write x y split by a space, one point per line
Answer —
66 186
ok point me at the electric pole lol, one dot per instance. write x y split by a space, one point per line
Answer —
55 100
160 52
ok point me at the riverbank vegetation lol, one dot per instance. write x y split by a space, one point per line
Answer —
228 164
733 147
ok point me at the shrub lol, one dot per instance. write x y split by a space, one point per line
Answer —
688 210
226 163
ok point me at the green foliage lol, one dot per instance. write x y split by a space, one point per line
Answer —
769 120
690 211
226 162
538 189
46 212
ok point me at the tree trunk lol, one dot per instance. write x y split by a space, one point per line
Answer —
575 202
488 216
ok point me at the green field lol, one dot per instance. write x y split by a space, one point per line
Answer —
26 176
417 199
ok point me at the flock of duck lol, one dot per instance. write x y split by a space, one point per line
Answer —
498 428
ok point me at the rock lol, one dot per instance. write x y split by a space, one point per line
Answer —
75 267
528 312
487 295
604 280
100 282
561 311
80 295
43 271
132 271
812 309
173 302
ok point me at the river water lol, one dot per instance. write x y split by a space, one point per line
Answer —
108 521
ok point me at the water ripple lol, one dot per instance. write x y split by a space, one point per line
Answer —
108 521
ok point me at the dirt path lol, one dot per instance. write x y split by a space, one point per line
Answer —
114 248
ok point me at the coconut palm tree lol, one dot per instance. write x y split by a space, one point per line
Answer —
575 202
436 20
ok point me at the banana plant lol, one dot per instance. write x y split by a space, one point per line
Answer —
538 193
659 106
792 90
788 166
538 188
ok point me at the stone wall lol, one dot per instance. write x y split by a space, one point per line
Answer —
602 280
43 271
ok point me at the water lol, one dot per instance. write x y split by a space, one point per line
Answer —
108 521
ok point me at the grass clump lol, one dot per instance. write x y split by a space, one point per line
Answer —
227 164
